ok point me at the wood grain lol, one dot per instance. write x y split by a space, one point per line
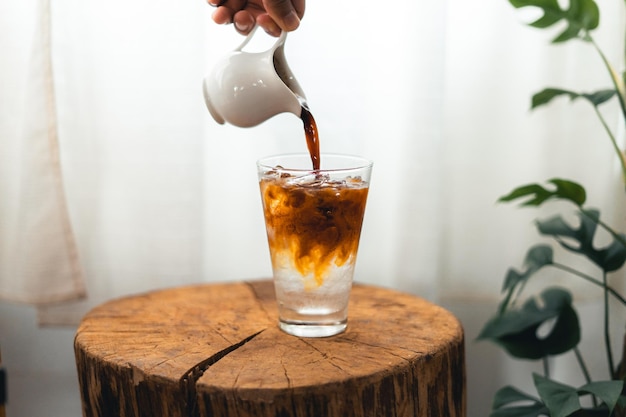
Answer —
215 350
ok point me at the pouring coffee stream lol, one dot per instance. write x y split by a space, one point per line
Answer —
312 137
248 88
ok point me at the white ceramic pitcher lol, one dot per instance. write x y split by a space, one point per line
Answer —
247 88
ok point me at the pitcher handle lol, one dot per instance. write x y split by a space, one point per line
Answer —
280 41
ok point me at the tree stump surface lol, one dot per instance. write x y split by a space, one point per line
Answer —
215 350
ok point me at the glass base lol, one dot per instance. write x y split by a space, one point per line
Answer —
313 329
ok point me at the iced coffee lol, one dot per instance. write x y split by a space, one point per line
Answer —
313 220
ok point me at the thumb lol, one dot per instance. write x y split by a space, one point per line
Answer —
286 13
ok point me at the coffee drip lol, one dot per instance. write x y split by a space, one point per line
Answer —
312 137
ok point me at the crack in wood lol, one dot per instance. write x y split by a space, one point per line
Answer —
189 380
282 363
389 349
150 369
325 356
237 378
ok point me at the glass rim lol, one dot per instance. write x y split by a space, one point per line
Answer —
363 163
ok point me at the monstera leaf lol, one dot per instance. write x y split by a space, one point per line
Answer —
563 400
537 257
517 330
557 399
609 258
581 16
547 95
536 194
511 402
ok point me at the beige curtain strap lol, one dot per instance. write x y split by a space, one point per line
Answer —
40 256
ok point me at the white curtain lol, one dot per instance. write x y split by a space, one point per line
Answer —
38 254
115 180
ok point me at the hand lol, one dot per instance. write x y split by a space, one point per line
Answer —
273 16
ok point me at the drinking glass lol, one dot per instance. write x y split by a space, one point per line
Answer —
313 220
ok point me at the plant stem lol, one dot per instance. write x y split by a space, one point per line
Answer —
593 281
619 84
546 366
583 367
616 147
607 337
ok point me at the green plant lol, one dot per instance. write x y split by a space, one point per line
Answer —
517 323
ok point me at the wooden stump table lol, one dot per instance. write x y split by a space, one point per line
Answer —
215 350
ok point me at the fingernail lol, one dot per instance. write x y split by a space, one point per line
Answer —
274 33
242 27
292 21
272 29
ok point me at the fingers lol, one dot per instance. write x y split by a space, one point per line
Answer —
238 12
273 16
222 16
268 24
243 21
225 10
285 13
